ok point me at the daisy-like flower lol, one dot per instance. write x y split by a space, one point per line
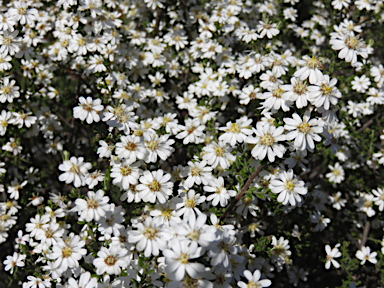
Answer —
331 254
177 260
125 173
130 148
273 99
93 207
66 254
280 252
218 154
34 282
5 117
337 173
288 187
85 281
8 91
149 237
111 260
158 147
320 221
360 84
296 91
22 14
267 29
379 199
236 132
254 280
364 254
155 186
94 178
340 4
266 140
5 62
324 93
88 109
21 118
16 260
249 93
378 73
192 132
197 173
311 69
220 193
349 45
75 170
95 64
337 202
10 43
188 206
304 131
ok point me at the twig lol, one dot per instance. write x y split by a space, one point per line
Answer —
238 197
157 23
366 124
365 234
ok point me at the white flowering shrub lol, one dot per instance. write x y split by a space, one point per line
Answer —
229 143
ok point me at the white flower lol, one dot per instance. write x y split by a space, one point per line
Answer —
149 237
75 171
158 147
12 261
273 99
303 131
177 260
280 252
336 200
311 70
5 117
188 206
331 254
125 173
88 109
8 91
155 186
349 45
192 132
67 253
111 260
34 282
266 140
94 178
364 254
218 154
10 43
254 280
288 187
197 173
220 193
85 281
12 146
267 29
297 91
324 93
360 84
320 220
93 207
236 132
337 173
95 64
131 148
379 199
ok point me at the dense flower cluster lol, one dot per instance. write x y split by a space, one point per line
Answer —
191 143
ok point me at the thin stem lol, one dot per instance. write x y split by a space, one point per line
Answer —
238 197
365 234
